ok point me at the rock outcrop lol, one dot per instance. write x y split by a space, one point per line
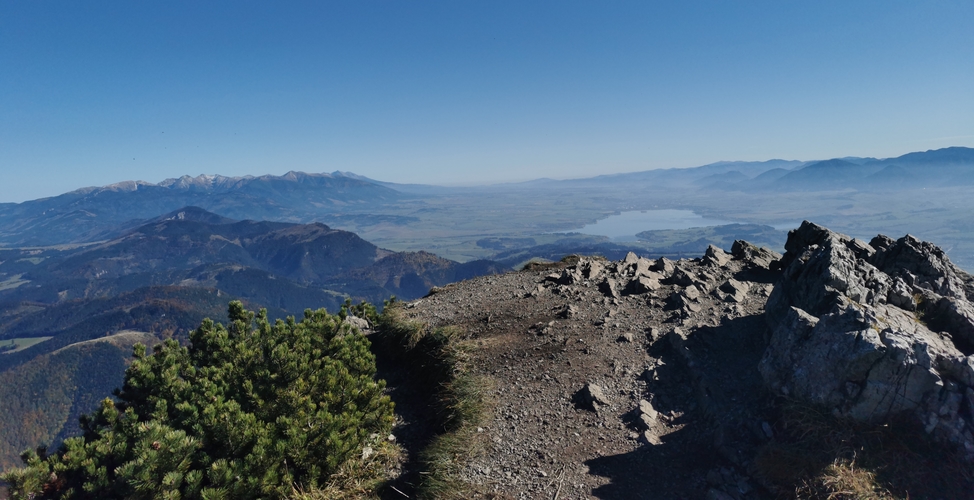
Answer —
874 330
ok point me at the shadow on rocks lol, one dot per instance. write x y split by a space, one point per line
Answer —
677 468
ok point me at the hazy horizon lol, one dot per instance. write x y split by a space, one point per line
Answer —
467 94
484 183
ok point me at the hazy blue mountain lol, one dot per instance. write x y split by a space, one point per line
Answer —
936 168
90 214
825 175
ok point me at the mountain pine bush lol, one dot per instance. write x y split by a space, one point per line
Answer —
250 410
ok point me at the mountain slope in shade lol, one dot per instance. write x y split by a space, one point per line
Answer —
411 274
303 253
239 257
828 174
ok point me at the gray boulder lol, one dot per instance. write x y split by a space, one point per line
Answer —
873 330
360 323
760 257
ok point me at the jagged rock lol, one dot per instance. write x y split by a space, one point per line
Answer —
760 257
568 312
649 437
653 334
962 369
844 334
715 256
649 422
609 287
953 315
647 414
592 397
664 265
642 284
569 276
732 290
643 267
631 258
901 295
591 268
686 299
923 265
682 277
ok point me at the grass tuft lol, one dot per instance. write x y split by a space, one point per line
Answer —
816 455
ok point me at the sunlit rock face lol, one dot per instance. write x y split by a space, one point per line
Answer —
874 330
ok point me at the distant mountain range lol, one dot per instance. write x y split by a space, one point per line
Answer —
347 199
92 214
936 168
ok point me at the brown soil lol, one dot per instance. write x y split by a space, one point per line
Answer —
694 361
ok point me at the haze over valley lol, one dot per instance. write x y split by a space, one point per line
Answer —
501 250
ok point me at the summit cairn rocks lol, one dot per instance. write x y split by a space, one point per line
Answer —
872 330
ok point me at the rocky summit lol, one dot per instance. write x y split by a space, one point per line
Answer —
874 329
647 378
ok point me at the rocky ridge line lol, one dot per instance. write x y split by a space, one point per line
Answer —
655 378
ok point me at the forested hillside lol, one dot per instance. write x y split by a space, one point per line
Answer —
164 278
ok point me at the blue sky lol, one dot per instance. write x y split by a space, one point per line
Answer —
450 92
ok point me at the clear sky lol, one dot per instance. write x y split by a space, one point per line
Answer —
448 92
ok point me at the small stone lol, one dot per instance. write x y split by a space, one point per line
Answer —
646 408
651 438
592 396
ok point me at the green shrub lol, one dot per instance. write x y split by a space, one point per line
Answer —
246 411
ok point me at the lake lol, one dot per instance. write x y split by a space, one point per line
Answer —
623 227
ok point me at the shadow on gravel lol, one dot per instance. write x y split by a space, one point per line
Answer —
715 395
675 469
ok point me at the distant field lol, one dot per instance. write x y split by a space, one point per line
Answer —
12 282
21 343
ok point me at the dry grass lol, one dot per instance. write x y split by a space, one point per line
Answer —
358 479
467 402
441 357
815 455
844 480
